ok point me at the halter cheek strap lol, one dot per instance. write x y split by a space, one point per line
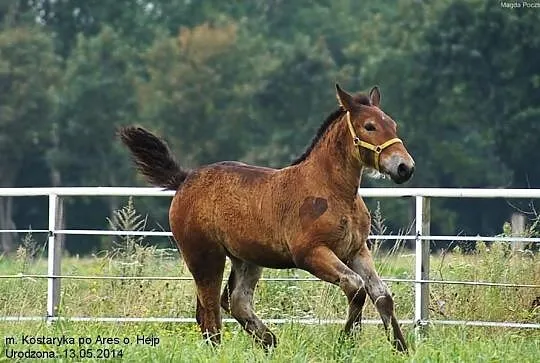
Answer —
377 149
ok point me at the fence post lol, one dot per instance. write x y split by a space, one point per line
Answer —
421 293
53 262
518 222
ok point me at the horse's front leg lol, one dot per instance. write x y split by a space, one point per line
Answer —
324 264
362 263
356 307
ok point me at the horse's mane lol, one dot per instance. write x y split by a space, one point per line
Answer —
325 126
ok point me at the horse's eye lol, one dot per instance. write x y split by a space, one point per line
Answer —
370 127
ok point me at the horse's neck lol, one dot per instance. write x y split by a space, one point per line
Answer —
334 162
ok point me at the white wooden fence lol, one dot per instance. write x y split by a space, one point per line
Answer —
422 237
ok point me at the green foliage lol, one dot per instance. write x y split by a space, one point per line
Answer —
458 102
182 343
386 250
136 21
532 230
254 80
145 298
28 73
495 262
129 257
28 259
189 94
288 110
127 219
97 95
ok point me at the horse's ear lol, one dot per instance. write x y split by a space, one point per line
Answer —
344 99
375 96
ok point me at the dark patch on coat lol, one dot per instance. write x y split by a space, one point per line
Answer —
311 210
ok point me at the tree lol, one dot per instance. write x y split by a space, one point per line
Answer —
294 99
196 92
134 21
507 80
462 81
488 70
97 94
29 70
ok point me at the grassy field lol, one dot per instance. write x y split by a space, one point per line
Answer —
297 343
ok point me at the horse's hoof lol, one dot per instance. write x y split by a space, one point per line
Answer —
401 347
268 341
212 339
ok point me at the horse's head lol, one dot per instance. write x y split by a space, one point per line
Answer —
375 135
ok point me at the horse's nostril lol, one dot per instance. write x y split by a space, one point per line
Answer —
404 171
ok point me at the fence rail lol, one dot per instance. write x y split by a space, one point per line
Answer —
422 238
273 279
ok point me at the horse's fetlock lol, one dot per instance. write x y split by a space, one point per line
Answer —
240 304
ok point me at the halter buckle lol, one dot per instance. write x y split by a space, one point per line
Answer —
356 141
378 149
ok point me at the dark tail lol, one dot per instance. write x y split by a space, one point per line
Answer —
153 158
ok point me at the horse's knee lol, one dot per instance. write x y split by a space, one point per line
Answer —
358 298
352 285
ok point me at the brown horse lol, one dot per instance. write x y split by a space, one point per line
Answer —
307 215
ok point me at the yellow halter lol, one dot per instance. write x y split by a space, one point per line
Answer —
377 149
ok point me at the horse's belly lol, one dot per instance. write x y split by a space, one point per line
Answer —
265 254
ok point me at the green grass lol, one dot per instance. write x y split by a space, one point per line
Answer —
182 343
297 343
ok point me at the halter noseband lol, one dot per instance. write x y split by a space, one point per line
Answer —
377 149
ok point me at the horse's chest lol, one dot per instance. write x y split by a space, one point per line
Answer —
351 235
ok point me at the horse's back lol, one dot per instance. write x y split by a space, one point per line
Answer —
230 175
232 204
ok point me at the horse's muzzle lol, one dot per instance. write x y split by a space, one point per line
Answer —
403 174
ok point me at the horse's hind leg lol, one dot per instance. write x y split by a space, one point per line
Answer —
227 290
379 294
244 278
207 270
